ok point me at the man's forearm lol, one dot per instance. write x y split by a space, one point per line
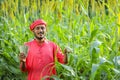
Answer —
66 58
22 66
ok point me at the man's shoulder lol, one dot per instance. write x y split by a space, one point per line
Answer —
52 43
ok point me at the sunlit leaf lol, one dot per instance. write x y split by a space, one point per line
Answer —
70 69
117 60
94 70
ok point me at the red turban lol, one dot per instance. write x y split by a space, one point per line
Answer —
37 22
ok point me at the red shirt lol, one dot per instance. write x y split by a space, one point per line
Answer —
40 59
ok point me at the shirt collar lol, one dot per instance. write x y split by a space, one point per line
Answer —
45 41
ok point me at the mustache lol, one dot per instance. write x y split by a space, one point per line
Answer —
41 33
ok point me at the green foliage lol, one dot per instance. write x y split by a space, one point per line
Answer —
95 42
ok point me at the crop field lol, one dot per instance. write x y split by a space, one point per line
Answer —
91 28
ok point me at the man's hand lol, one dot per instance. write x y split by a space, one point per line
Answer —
22 57
67 50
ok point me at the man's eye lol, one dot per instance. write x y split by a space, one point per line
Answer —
37 28
42 28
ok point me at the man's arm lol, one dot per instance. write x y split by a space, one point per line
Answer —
62 58
22 58
65 58
67 50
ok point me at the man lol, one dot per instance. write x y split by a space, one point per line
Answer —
41 55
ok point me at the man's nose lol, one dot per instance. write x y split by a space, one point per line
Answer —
40 29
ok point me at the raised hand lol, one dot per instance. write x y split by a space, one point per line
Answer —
22 57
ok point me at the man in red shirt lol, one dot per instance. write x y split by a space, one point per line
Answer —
41 55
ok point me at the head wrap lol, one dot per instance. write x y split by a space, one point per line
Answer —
37 22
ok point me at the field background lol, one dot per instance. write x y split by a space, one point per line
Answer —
91 28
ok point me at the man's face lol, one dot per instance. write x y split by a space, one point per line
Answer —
39 32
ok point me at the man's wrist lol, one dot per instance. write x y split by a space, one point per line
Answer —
23 60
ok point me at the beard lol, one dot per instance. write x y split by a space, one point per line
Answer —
39 38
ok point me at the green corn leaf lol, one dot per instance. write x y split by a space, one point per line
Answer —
70 69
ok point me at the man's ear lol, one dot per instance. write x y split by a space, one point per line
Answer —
46 30
33 30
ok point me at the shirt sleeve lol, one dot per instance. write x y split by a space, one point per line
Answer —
59 55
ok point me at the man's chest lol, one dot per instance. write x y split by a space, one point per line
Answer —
44 52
